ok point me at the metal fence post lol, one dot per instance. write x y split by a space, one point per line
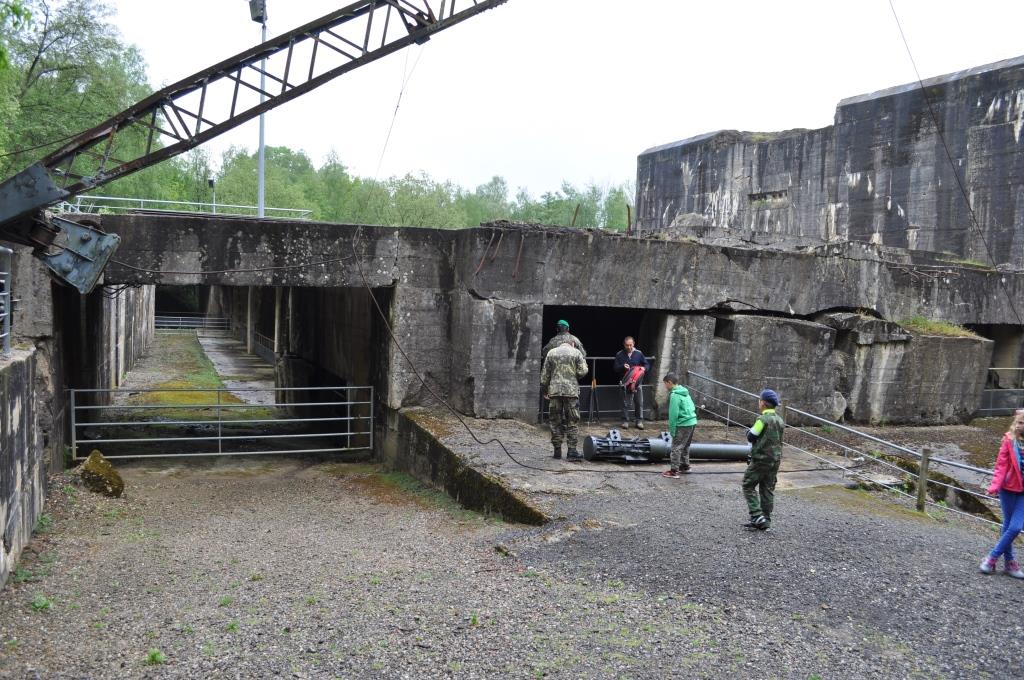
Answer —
74 425
220 438
922 479
6 299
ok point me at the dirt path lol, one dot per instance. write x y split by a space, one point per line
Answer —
278 567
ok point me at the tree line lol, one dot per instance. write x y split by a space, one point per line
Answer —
64 68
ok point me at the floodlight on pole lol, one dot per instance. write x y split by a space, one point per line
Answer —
258 13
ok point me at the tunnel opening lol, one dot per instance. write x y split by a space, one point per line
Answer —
181 300
602 330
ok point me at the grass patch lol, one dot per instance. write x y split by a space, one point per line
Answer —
922 326
193 371
155 657
954 259
44 524
41 603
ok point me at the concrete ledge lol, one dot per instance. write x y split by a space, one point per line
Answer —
412 444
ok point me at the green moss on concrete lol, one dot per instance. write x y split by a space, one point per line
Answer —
923 326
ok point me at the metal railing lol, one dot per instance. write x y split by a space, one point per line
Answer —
6 301
118 205
263 346
186 422
723 409
998 400
179 322
599 402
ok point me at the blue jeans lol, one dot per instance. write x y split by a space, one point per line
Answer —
1012 504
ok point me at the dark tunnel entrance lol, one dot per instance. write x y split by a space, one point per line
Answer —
602 330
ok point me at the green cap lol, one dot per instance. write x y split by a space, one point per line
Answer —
562 322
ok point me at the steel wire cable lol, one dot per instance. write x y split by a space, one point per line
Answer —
952 163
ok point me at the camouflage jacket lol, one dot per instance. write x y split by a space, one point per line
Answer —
768 429
559 339
563 367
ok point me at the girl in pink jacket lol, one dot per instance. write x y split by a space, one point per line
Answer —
1008 482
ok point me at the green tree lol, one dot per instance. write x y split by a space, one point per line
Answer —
71 72
13 16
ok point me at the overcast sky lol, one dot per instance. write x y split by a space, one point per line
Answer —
541 91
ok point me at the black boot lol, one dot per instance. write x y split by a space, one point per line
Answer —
573 455
558 451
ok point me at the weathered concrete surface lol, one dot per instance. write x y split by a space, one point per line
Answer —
248 376
22 456
541 483
468 305
879 174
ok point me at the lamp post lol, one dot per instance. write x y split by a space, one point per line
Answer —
212 183
258 12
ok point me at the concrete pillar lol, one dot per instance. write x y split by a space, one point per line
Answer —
277 320
250 323
291 319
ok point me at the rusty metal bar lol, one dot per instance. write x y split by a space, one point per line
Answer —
355 20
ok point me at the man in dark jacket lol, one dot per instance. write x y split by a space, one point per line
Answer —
631 364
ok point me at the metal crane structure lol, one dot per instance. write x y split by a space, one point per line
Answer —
198 108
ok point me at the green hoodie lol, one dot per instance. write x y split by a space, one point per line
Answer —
681 411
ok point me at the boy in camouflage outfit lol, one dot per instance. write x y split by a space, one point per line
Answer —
563 367
765 438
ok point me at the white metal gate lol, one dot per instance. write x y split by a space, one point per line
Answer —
163 422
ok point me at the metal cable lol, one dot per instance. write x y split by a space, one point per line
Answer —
956 173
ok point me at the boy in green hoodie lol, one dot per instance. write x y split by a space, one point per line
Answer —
682 419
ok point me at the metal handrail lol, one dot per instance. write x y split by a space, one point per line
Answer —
93 204
846 469
179 322
6 301
850 430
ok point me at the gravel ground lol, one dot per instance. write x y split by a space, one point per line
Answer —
313 570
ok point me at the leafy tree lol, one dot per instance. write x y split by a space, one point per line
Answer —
13 16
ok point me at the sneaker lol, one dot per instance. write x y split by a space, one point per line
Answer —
685 469
1013 569
760 523
671 474
625 425
639 424
988 565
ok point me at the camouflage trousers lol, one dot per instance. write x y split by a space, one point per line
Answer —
759 486
564 417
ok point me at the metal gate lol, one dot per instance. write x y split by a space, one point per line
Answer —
148 423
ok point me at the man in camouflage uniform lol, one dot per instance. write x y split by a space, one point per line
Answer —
765 438
563 335
559 381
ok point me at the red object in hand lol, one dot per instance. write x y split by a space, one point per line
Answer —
633 377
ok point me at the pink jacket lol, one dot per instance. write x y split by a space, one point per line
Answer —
1007 475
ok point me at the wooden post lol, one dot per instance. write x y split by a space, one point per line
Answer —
922 479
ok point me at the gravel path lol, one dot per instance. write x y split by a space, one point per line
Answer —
264 568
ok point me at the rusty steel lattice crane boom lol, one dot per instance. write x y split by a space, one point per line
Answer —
198 108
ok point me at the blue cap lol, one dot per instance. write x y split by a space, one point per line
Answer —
562 323
770 397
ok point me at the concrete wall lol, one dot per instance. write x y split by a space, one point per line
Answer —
468 305
61 339
23 461
879 174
